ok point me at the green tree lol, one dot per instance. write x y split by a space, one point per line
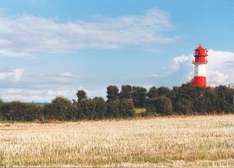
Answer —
224 99
81 95
183 105
87 109
151 106
100 107
1 113
153 93
164 105
126 92
126 108
113 109
139 96
163 91
17 111
112 93
59 109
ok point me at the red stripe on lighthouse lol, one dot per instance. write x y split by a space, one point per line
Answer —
200 81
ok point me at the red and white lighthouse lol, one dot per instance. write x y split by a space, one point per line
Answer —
200 62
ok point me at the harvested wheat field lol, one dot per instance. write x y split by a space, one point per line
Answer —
200 141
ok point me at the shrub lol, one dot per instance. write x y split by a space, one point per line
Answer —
59 109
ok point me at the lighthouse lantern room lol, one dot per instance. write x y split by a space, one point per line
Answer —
200 62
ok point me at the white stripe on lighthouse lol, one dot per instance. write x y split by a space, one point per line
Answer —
200 70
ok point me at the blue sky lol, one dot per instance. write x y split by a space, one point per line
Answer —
52 48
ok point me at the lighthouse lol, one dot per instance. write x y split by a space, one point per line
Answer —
200 63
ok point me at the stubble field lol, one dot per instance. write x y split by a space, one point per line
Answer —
200 141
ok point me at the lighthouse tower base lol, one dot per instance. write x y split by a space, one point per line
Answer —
199 81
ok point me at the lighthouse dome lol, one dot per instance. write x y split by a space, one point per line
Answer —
200 51
200 54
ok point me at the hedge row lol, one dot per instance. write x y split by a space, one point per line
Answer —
121 103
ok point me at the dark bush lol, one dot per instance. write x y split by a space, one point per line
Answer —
112 93
59 109
126 108
17 111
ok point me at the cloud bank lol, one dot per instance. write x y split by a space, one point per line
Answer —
23 85
23 36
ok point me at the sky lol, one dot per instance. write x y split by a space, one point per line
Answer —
54 48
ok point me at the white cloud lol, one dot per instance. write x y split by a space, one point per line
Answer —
29 35
66 75
20 84
29 95
220 66
45 95
12 75
180 61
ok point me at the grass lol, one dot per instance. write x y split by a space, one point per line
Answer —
199 141
140 110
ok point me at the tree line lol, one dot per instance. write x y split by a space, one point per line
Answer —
124 103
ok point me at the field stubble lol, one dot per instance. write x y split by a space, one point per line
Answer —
174 141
